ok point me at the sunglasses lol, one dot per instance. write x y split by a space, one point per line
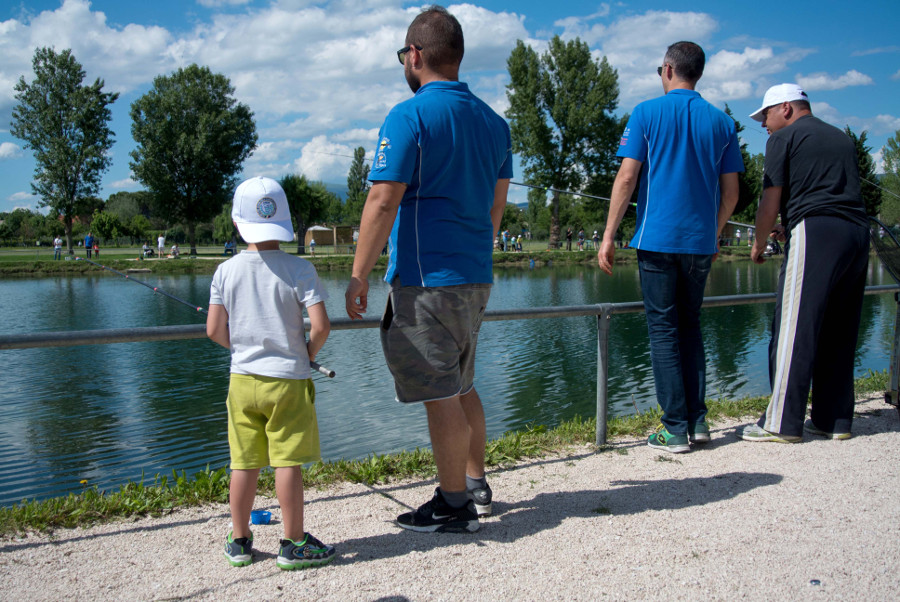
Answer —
401 54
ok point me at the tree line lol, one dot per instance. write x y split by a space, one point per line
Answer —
192 137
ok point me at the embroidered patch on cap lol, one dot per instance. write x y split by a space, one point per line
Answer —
266 208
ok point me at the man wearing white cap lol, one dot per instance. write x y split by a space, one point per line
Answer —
811 177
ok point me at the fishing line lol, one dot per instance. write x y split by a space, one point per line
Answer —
314 365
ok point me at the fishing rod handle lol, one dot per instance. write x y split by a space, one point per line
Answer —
321 369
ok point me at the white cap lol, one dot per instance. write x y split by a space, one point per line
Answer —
777 95
261 211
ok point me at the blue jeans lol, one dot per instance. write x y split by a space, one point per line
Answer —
672 285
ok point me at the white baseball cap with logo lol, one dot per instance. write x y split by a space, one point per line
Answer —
777 95
261 211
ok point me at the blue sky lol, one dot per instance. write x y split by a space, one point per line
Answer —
320 76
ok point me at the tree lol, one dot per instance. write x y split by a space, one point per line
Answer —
192 137
749 182
65 124
357 186
106 226
890 154
308 201
868 180
560 114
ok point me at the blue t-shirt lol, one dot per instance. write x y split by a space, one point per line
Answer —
685 144
449 148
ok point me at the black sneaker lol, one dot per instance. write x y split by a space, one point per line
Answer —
304 554
482 498
437 515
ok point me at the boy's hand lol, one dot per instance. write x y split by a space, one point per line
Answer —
357 297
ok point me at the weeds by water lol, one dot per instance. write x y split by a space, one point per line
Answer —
165 493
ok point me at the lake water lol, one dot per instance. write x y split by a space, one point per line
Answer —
110 413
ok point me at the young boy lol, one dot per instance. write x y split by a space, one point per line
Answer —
255 309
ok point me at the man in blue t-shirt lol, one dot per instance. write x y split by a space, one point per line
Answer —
440 178
686 155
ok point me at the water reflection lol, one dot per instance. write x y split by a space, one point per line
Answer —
108 413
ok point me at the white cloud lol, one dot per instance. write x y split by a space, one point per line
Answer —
879 50
876 126
218 3
21 196
879 160
10 150
824 81
128 182
896 75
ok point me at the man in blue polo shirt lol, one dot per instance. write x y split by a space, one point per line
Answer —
440 178
686 155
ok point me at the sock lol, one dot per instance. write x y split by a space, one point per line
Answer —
455 499
473 483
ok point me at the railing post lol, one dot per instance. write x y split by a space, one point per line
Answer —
891 395
603 323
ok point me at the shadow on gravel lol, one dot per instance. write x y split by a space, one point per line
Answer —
547 511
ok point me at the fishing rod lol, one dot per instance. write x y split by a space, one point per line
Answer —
314 365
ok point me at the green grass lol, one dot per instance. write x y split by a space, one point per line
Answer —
165 493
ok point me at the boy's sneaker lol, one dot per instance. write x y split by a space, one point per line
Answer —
482 498
300 555
666 441
809 427
239 552
699 433
754 432
437 515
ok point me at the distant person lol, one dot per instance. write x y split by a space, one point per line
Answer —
440 215
686 155
312 247
97 250
581 239
256 306
175 251
568 239
57 248
229 248
595 240
89 244
737 234
810 175
161 246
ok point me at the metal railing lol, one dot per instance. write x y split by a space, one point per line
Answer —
603 311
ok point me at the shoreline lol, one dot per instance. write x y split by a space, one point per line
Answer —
13 267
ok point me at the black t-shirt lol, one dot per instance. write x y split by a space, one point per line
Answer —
815 164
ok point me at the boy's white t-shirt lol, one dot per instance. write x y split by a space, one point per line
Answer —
264 294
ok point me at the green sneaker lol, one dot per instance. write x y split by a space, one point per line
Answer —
699 433
754 432
300 555
239 552
809 427
666 441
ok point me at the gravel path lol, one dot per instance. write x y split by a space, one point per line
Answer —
732 520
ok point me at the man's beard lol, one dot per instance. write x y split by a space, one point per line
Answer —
412 79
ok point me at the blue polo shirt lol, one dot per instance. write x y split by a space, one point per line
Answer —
449 148
685 144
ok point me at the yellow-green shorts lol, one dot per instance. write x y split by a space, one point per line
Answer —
271 422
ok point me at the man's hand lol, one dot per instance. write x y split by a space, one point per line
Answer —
606 255
756 253
357 298
778 233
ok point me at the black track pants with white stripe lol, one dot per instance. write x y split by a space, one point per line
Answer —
816 324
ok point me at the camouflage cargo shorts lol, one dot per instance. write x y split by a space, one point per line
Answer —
429 335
